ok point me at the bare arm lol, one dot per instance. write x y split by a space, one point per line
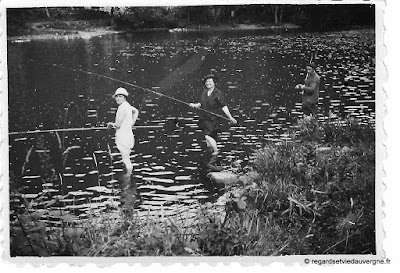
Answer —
119 117
228 114
135 115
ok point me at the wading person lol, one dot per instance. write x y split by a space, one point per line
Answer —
211 99
310 90
124 120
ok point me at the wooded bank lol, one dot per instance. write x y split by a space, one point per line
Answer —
313 17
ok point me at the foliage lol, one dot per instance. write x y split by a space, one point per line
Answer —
349 131
326 17
32 233
312 195
145 17
16 21
310 16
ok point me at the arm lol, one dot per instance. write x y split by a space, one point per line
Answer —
228 114
119 117
310 89
135 115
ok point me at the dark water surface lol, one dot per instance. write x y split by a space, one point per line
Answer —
257 71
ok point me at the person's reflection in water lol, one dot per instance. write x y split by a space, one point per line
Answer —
128 192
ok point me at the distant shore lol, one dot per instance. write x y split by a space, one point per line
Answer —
63 30
86 30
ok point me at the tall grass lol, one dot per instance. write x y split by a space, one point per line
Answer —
312 195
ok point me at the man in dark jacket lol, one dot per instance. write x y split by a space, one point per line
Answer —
310 92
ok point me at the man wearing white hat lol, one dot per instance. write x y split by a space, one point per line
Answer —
125 118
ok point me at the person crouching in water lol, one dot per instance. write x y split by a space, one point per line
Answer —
211 99
310 90
125 118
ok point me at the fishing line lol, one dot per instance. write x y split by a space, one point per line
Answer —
131 84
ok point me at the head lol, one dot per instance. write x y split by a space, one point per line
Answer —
120 95
310 67
209 81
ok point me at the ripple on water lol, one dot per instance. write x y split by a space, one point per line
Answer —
159 180
181 163
160 173
175 188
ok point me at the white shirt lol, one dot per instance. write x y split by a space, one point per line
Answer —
124 120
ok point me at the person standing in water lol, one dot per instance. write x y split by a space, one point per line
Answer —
125 118
211 100
310 90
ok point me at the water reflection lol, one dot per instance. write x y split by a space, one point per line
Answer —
128 191
257 72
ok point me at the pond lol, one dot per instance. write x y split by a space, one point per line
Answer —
257 70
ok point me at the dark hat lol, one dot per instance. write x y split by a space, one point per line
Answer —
312 65
209 76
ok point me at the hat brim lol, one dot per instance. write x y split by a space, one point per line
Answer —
119 94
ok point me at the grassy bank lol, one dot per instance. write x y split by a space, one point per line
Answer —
314 194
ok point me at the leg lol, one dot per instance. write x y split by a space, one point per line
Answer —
314 109
306 110
310 109
212 143
127 161
125 146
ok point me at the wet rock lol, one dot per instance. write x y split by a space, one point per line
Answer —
226 178
214 168
249 178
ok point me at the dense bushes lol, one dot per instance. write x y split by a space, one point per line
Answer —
321 17
145 18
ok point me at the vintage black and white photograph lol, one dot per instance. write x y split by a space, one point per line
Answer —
193 130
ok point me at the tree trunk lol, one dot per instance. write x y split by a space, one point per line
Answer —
280 15
275 9
215 13
46 10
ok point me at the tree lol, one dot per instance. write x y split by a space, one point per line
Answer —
277 11
46 10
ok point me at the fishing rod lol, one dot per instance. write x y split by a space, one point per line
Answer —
134 85
81 129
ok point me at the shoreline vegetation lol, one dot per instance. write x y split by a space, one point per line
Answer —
312 193
48 30
24 24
